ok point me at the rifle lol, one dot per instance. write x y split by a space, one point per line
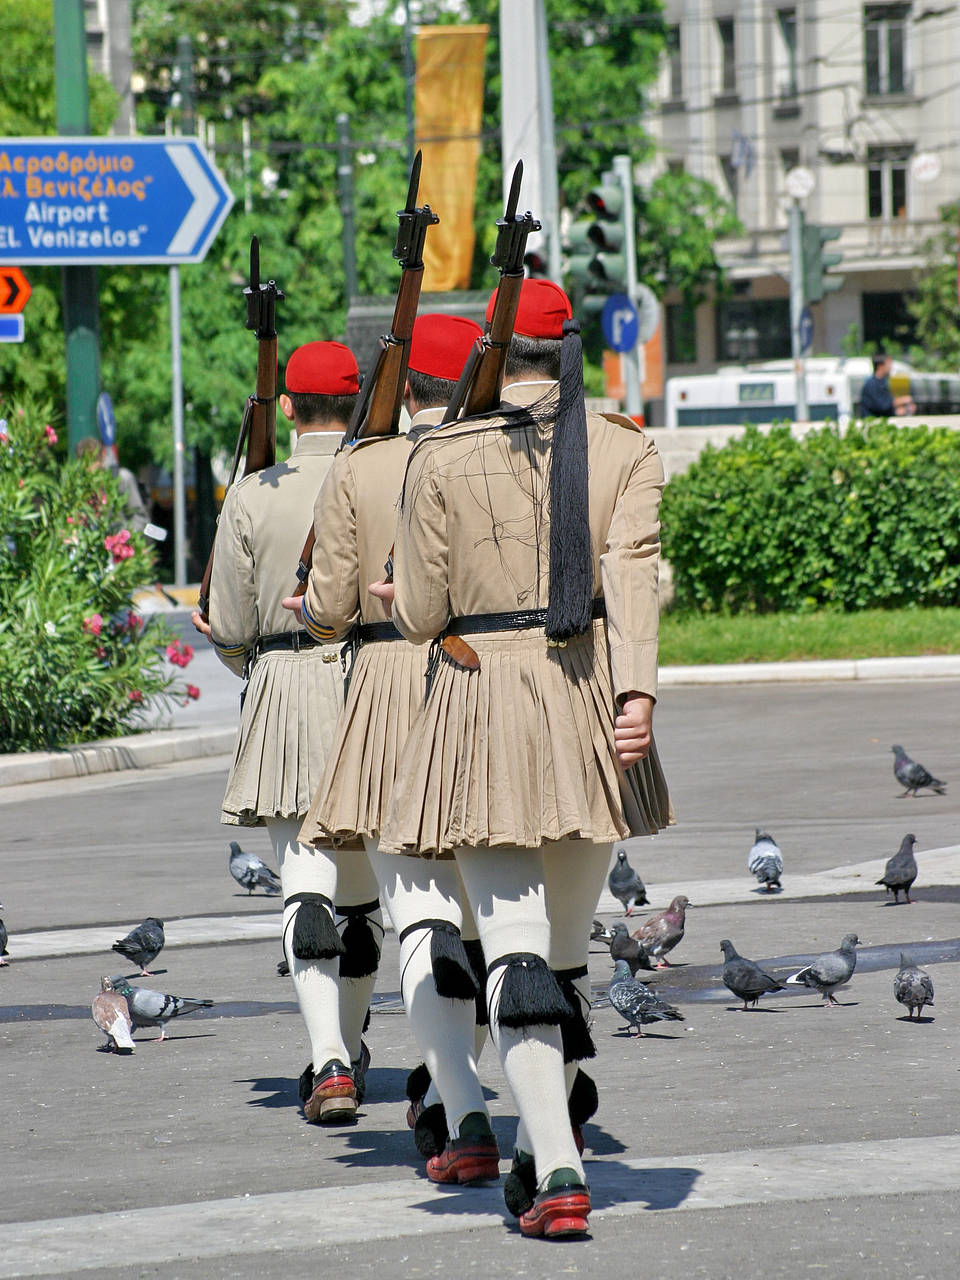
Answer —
377 411
478 388
258 426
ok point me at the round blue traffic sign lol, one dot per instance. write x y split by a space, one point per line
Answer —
620 322
806 330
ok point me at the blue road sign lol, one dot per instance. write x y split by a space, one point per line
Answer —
806 330
71 201
11 328
620 322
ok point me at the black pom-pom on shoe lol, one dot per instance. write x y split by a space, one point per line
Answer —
430 1132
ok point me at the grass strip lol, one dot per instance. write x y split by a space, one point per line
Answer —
691 639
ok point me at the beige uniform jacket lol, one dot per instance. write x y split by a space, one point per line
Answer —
356 521
521 751
292 701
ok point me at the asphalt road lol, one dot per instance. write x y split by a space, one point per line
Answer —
790 1141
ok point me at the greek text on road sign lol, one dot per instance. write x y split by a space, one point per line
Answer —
620 322
14 291
71 201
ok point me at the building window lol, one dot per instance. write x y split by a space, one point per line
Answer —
885 48
886 318
681 333
728 56
755 329
787 82
887 182
789 159
676 166
675 63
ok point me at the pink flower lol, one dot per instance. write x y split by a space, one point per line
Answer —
70 520
93 624
186 655
173 652
49 432
134 621
100 651
135 695
118 544
192 692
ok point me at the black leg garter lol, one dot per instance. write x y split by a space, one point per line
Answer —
529 993
361 954
315 935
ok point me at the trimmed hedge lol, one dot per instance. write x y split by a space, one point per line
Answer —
866 519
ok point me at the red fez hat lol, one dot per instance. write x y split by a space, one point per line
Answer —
323 369
441 343
542 310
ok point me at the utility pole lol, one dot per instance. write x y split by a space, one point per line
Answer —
345 193
796 307
81 311
633 360
184 69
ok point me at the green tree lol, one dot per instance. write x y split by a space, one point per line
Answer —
934 305
679 220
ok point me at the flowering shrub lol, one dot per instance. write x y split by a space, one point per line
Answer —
76 662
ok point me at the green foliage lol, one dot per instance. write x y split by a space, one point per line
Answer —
76 662
679 221
934 305
870 518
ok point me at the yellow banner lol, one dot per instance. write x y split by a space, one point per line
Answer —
448 102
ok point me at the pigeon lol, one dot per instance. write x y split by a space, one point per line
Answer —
662 932
251 872
912 986
829 971
112 1015
599 932
765 861
637 1002
142 944
912 775
3 942
153 1008
626 885
744 977
623 947
901 870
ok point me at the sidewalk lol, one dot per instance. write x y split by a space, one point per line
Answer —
208 727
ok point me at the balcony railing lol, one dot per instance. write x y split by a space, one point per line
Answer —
865 245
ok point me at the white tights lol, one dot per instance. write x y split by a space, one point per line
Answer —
415 889
541 901
333 1008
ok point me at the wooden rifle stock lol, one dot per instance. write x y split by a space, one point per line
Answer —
258 426
377 411
480 383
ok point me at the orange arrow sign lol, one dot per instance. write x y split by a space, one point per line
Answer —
14 290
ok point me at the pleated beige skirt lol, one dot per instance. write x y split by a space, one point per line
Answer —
521 752
385 696
287 725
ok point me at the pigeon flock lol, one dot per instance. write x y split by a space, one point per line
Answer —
647 946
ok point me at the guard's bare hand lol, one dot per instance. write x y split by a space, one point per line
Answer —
383 591
633 728
203 627
294 604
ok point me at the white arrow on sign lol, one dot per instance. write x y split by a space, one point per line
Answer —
205 198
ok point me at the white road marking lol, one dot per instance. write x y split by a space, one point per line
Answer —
326 1216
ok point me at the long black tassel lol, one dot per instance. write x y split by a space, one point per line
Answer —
361 955
314 934
571 561
474 952
529 994
575 1030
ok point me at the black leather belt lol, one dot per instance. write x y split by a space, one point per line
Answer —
294 640
370 631
520 620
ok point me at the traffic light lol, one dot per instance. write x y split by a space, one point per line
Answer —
598 263
816 263
537 267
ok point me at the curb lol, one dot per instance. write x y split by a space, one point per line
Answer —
144 750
